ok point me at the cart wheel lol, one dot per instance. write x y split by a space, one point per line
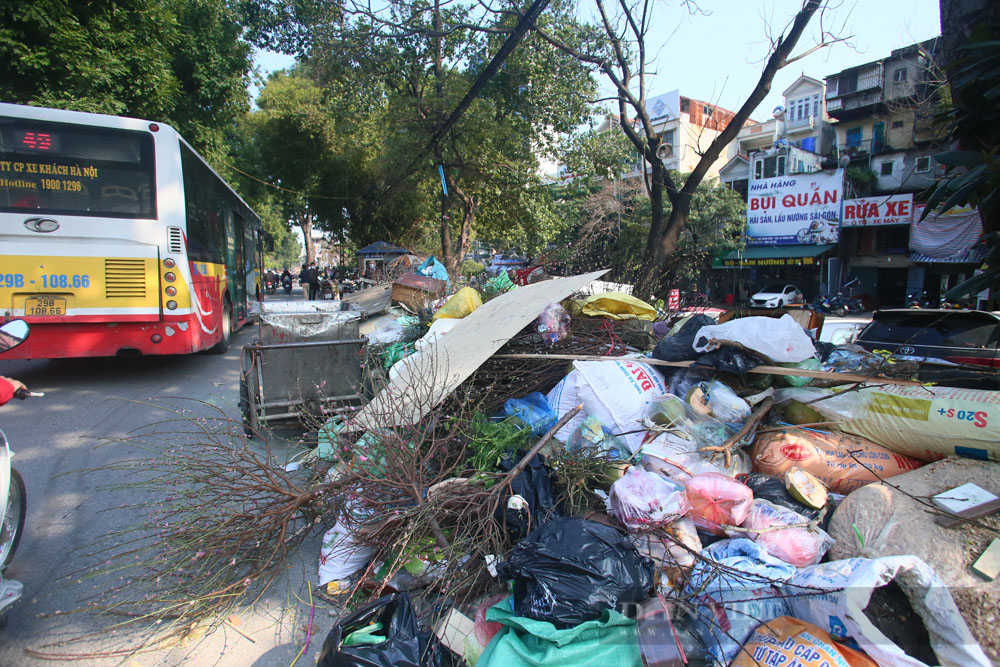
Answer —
245 408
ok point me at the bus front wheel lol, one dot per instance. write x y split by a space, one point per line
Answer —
227 331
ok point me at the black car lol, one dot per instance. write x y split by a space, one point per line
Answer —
958 347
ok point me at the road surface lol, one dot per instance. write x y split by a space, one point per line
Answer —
55 438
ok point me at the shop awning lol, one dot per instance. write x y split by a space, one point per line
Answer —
774 255
974 255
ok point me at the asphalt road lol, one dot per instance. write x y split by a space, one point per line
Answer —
56 438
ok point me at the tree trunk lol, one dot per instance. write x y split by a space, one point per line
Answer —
680 200
452 255
306 224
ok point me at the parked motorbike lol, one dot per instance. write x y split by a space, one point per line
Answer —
13 498
918 299
840 304
821 304
287 285
327 293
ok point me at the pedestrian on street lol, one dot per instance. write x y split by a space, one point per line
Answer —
313 282
305 279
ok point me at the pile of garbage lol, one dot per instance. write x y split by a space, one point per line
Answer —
547 476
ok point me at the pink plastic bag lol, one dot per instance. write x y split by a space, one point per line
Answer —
643 500
717 500
798 546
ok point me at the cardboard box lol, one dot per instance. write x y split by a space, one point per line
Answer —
415 291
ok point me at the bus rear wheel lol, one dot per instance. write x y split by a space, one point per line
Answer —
227 331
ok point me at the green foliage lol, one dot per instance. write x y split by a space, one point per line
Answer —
470 268
286 253
489 441
599 153
181 62
861 179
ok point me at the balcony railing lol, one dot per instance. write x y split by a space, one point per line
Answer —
853 101
863 149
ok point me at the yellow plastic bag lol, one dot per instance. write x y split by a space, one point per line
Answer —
617 306
462 302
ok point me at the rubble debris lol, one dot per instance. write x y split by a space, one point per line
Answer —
639 498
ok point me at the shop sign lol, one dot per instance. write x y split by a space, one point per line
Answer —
771 261
878 211
803 209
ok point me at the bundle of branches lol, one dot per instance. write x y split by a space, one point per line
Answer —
499 379
218 519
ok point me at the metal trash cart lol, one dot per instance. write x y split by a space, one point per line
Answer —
306 362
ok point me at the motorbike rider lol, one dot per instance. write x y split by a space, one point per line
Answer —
285 276
7 388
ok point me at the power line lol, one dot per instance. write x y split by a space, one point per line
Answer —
523 25
278 187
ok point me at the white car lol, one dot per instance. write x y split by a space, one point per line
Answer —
777 295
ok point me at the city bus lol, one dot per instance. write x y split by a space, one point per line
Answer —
117 238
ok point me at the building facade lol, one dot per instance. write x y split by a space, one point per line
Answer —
885 136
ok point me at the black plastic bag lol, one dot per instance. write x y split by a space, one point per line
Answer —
773 490
729 360
570 570
405 644
680 346
534 484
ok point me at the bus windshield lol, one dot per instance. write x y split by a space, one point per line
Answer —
57 168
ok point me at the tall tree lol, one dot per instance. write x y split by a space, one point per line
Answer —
428 55
622 55
178 61
293 137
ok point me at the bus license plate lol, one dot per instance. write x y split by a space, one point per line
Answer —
44 305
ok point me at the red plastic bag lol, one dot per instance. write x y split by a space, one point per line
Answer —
717 500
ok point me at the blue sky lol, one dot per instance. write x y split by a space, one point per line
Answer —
717 55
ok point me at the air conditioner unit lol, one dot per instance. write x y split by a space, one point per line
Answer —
664 151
